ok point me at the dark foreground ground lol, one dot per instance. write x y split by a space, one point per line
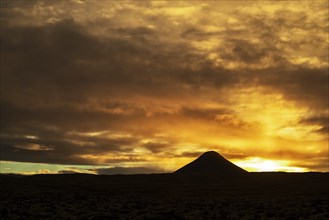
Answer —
165 196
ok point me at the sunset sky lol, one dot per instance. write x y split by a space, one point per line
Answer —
147 86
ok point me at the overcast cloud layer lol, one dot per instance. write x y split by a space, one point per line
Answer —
154 84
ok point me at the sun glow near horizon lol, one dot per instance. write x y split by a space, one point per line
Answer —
264 165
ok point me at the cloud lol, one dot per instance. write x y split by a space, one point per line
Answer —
105 82
157 147
317 164
67 172
66 149
126 170
322 121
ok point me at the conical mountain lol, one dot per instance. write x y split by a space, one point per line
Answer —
211 163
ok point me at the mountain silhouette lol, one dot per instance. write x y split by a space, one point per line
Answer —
211 163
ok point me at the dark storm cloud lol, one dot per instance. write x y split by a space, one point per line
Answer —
193 33
156 147
133 32
42 62
51 73
107 67
301 84
191 154
242 50
66 117
266 45
205 114
64 62
322 121
125 170
61 59
10 152
228 155
314 164
67 172
64 149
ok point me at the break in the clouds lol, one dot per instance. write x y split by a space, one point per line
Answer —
150 83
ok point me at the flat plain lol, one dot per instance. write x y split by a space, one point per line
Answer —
165 196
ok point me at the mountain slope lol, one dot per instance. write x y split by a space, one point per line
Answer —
211 163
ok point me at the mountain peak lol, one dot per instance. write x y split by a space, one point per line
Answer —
210 154
211 163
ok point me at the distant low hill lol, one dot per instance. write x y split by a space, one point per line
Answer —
211 163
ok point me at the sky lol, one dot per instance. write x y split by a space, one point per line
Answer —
147 86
